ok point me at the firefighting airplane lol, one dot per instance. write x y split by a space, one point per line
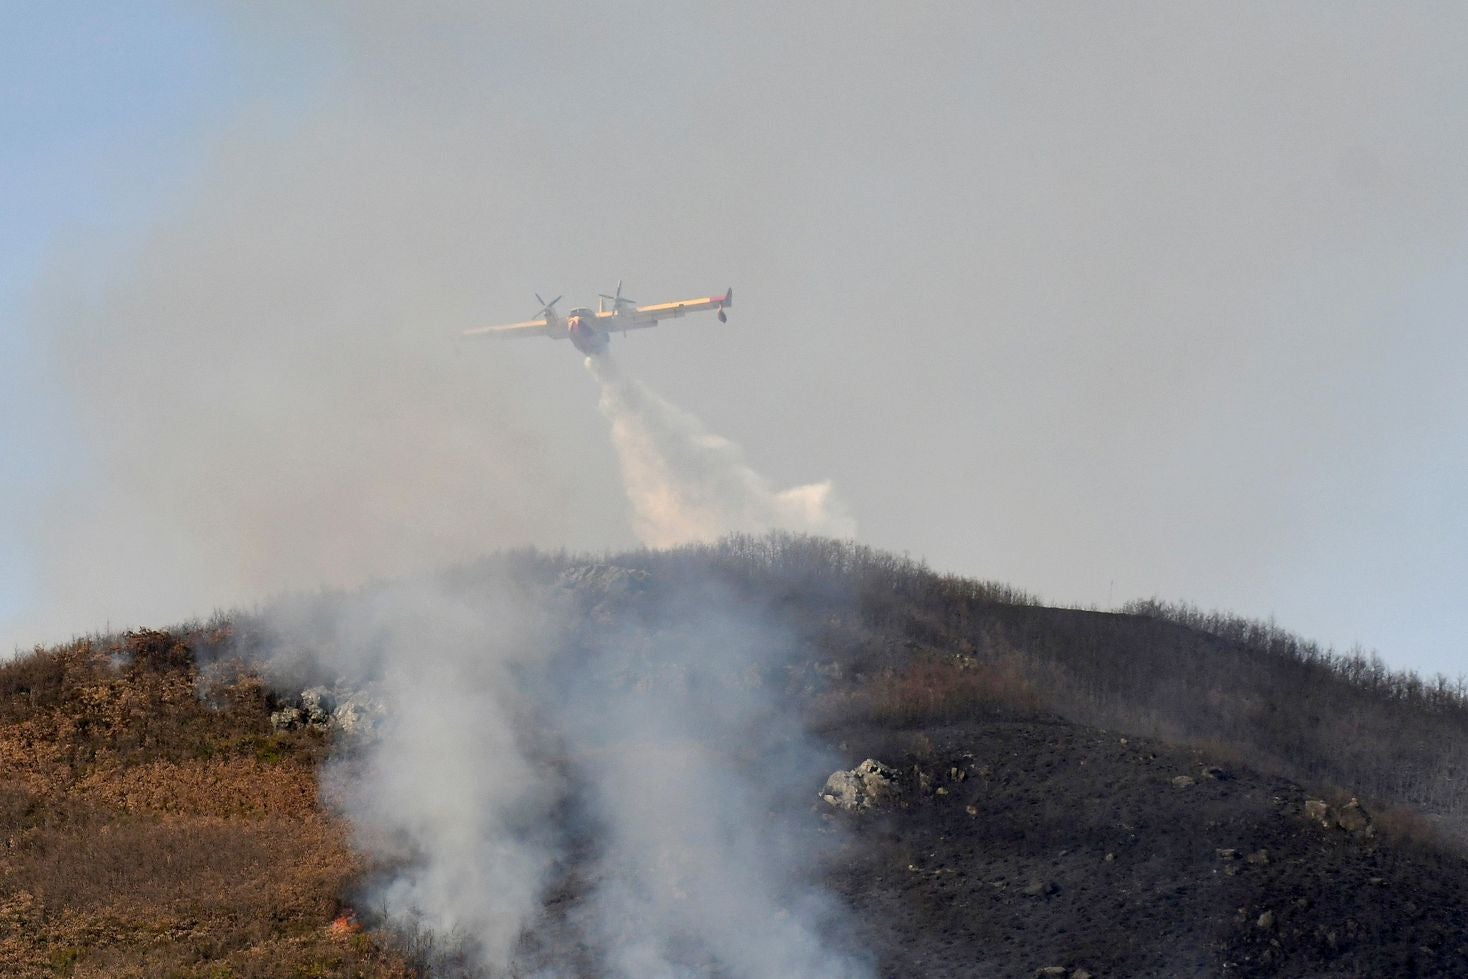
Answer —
591 330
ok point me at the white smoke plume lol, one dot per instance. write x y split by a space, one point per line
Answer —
687 484
699 781
583 775
448 792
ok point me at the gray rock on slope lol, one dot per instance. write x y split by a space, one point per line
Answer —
311 708
317 704
288 718
1350 817
867 786
357 715
354 713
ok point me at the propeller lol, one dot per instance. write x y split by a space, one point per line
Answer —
546 308
617 300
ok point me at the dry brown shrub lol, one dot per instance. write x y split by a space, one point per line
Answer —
156 651
151 825
135 870
30 682
221 788
931 689
32 752
133 894
1403 824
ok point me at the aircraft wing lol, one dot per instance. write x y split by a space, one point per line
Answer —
530 328
645 316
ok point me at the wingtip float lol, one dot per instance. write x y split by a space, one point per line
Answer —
590 330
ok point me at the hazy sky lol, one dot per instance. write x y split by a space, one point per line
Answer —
1105 301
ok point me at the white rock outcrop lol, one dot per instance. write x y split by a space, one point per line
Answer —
867 786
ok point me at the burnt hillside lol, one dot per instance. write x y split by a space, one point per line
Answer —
1245 690
1155 792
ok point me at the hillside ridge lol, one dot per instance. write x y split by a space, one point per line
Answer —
1145 792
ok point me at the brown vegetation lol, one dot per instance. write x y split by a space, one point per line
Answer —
153 826
929 689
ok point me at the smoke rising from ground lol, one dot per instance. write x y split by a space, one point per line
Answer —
699 784
447 790
687 484
607 738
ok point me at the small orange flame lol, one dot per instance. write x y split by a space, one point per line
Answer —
345 925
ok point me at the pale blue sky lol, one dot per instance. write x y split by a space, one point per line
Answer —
107 112
101 105
1105 303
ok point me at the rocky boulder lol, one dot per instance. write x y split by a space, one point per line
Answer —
1318 811
1353 819
354 712
311 708
317 703
867 786
1350 817
357 715
287 718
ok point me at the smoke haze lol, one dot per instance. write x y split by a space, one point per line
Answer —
1107 303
